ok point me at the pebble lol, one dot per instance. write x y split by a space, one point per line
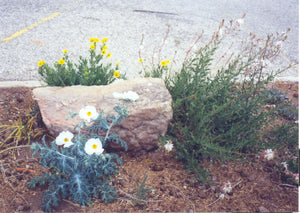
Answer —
263 209
157 168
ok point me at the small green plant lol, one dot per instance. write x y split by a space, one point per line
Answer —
288 111
273 96
19 131
142 192
280 100
79 167
284 138
88 71
158 71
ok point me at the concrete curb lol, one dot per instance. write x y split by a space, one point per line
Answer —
7 84
4 84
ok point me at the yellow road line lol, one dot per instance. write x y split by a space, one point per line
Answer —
30 27
39 22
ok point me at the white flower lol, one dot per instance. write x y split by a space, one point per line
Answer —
270 106
64 138
118 95
222 196
93 146
130 95
88 113
227 187
269 154
278 44
296 176
169 146
240 21
284 164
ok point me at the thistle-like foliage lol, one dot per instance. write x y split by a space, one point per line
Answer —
75 172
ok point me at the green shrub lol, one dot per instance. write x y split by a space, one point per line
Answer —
88 71
221 117
215 117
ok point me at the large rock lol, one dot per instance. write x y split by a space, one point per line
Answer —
148 117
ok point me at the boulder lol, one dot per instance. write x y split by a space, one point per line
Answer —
148 118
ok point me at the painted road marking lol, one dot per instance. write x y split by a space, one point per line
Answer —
30 27
39 22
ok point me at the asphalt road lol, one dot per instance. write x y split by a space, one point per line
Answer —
34 30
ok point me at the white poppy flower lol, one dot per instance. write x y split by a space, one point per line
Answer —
130 95
88 113
64 138
118 95
169 146
93 146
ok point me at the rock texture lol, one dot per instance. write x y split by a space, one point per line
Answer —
148 117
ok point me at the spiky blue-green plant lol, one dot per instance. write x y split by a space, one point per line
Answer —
75 174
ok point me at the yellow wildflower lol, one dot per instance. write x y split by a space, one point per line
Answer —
108 55
168 61
141 60
86 73
116 74
92 46
104 48
103 52
104 40
95 40
163 63
118 63
41 63
65 51
61 61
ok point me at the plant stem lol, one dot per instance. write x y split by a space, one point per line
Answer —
15 147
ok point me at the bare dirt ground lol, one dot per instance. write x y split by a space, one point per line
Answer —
258 186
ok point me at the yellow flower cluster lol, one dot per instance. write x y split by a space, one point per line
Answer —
61 61
104 40
92 46
116 74
41 63
164 63
95 40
